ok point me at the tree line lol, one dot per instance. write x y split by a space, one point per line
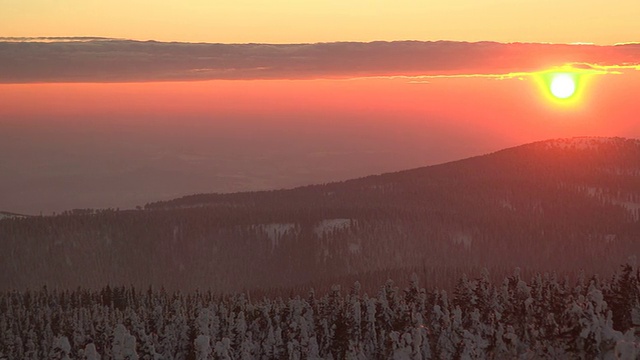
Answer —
543 316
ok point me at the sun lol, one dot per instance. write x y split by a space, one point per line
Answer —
562 86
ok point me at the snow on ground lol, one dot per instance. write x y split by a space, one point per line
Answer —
609 238
581 143
329 225
464 239
506 204
276 230
632 206
8 215
354 244
355 248
629 205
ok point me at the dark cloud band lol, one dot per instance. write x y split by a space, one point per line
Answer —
28 60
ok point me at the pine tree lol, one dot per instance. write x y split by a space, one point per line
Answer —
623 297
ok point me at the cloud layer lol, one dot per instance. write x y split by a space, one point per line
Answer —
24 60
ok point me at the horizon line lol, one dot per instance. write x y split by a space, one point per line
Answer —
53 39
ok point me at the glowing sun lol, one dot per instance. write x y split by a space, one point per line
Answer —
565 86
562 86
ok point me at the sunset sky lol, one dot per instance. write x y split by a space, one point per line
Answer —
294 21
93 115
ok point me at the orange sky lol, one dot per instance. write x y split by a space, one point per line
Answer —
120 145
514 107
294 21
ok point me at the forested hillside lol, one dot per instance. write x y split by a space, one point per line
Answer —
559 205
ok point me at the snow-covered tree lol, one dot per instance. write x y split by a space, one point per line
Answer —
61 349
124 344
202 345
90 352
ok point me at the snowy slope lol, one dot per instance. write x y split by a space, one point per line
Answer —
9 215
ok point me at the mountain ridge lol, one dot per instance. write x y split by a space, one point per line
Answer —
541 207
573 143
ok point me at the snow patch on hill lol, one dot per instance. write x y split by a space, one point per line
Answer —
585 143
355 248
275 231
630 203
8 215
623 171
329 225
632 207
462 238
506 204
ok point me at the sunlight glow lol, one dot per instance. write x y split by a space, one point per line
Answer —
562 86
